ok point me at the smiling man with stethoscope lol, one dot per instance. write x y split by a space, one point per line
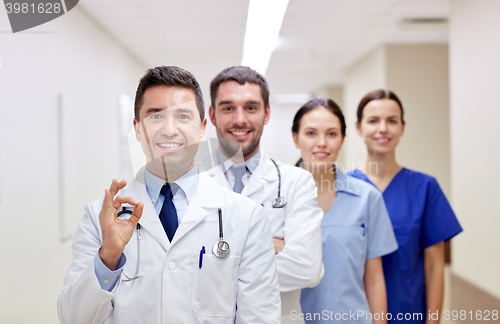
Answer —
240 109
173 246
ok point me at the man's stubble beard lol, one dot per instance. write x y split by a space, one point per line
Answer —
231 146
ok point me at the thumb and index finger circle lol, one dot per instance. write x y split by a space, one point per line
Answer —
136 214
110 193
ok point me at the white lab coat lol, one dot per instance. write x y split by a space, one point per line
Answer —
300 263
174 289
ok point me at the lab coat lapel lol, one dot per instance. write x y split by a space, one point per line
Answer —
261 176
218 175
149 220
208 199
193 216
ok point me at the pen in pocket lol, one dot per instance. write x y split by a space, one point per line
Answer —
364 229
201 255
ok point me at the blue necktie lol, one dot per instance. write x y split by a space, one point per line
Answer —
168 214
238 173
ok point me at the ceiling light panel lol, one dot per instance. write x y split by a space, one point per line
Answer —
262 30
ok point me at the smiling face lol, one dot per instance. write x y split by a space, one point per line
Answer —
239 114
169 130
381 126
319 139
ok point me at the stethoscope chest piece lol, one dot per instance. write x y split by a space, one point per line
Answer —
221 249
279 202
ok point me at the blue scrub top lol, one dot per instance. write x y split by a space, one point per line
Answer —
421 217
356 228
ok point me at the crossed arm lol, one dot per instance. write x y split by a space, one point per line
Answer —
299 257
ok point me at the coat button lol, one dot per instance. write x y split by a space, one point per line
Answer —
171 265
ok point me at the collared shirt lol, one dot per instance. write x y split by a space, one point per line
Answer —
183 190
356 228
250 164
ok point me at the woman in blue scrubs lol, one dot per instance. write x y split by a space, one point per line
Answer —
356 227
421 216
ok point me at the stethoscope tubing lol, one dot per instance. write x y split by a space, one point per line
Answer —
221 230
279 177
220 249
279 202
138 229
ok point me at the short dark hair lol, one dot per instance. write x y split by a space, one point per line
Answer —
377 95
315 103
242 75
171 76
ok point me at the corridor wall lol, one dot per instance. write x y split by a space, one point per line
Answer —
68 65
475 137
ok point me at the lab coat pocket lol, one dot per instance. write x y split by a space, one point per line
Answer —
214 286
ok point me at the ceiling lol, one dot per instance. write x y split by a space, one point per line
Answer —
319 39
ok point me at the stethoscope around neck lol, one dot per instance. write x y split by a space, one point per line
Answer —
220 248
279 202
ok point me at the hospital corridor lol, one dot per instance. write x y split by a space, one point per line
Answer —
408 112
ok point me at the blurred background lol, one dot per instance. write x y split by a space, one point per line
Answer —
66 101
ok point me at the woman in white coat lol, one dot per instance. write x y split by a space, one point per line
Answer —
181 280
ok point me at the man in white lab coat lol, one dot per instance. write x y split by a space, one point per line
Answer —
155 263
239 110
